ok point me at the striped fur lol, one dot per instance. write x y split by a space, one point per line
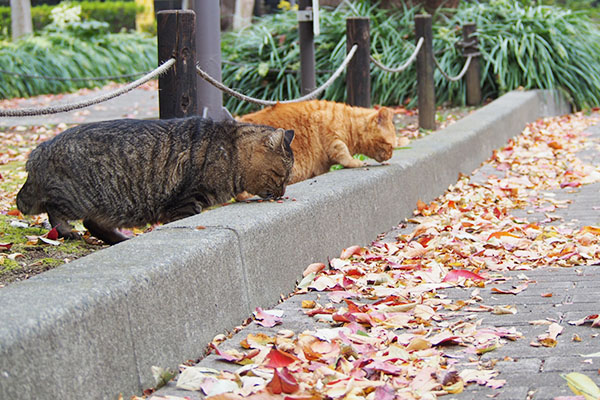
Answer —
128 173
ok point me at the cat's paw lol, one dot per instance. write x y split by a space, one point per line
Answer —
354 163
70 235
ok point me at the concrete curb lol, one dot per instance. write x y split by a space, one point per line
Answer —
94 327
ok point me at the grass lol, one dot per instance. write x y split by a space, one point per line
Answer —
29 256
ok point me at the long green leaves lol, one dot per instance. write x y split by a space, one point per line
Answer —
521 45
66 56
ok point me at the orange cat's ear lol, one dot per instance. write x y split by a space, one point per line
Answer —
289 137
384 116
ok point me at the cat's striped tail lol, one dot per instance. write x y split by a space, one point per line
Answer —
29 199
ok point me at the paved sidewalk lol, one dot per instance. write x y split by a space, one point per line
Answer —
138 103
553 294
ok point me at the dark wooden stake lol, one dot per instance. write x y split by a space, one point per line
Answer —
425 68
308 81
472 76
358 72
177 87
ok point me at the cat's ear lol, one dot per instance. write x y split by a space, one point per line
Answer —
276 139
289 137
384 116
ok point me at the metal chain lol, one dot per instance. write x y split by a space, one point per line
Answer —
262 102
403 66
460 74
27 112
59 78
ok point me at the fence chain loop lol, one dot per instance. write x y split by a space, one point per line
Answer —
27 112
460 74
464 44
408 62
262 102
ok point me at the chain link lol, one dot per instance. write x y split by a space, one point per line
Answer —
403 66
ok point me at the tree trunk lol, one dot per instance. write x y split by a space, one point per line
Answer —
20 14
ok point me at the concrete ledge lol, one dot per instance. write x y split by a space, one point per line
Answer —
94 327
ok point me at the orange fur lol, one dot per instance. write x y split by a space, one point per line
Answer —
328 133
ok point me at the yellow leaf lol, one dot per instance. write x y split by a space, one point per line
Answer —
308 304
581 384
418 343
455 388
591 229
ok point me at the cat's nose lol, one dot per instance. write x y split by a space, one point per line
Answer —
281 192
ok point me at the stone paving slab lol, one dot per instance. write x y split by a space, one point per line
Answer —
93 328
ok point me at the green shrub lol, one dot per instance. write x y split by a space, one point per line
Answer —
60 54
522 45
118 14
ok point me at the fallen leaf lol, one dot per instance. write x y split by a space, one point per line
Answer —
314 267
52 234
283 382
5 246
581 384
455 274
267 318
308 304
277 358
350 251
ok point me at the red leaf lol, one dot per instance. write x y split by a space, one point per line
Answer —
277 358
282 382
570 184
5 246
52 234
14 213
453 275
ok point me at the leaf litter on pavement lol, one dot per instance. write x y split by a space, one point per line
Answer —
390 331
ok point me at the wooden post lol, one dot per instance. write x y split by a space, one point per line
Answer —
358 72
177 87
308 81
425 68
472 76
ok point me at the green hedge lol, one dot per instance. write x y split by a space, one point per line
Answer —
119 15
521 45
62 54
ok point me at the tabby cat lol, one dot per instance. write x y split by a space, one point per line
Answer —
328 133
128 173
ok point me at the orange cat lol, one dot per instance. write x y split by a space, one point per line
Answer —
328 133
